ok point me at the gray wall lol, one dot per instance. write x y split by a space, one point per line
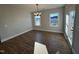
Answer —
76 32
45 21
69 7
14 20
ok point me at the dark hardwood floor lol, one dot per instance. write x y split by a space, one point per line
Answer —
24 44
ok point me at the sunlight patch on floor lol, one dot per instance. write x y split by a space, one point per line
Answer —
40 48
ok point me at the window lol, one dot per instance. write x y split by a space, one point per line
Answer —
67 24
54 19
70 16
37 20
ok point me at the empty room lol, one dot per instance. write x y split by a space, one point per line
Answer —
39 29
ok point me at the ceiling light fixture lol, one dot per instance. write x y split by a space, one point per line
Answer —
37 12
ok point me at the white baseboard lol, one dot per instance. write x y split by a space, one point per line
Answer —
48 30
16 35
25 32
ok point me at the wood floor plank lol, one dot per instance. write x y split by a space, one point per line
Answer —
24 44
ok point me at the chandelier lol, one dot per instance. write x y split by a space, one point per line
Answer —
37 12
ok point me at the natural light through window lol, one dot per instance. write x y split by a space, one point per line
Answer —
70 16
37 20
54 19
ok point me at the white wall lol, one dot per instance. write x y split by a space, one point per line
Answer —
45 23
14 20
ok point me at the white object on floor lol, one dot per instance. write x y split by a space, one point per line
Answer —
58 52
40 48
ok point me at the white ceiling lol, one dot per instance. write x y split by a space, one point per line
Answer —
32 7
